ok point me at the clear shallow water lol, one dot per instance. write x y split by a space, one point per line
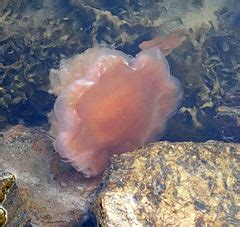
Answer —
35 35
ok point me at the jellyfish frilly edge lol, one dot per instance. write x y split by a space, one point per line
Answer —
110 103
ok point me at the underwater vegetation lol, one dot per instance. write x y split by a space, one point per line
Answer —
211 105
28 50
207 64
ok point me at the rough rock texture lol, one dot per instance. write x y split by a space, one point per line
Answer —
177 184
47 191
7 179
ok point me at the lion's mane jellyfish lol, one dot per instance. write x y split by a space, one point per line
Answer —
110 103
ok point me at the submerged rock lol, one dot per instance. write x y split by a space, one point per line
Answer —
191 184
228 121
47 192
187 184
7 179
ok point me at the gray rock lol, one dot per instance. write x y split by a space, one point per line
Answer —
47 191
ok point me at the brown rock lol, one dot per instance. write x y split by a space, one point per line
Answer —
7 179
179 184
